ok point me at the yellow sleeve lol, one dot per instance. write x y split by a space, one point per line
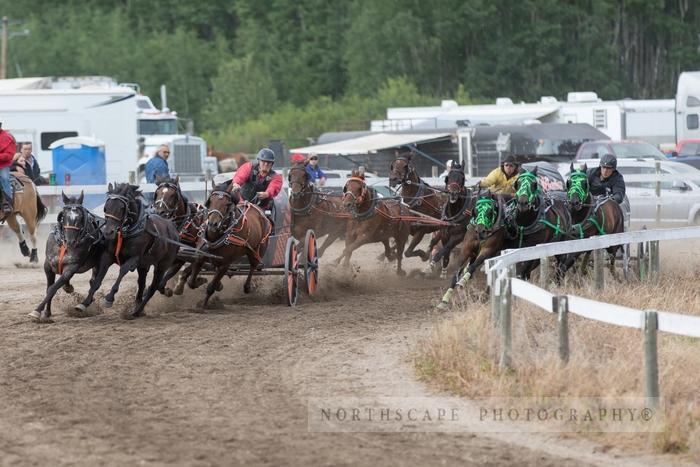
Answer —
491 179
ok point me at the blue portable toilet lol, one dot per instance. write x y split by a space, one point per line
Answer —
81 158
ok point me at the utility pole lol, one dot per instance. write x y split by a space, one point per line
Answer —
3 57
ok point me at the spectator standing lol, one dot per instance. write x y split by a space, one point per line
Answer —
29 164
157 166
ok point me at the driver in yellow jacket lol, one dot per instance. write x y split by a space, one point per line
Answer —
502 179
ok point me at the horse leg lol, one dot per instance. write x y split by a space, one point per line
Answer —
141 282
216 281
388 253
170 274
17 229
415 240
333 236
446 251
96 281
31 229
182 280
158 274
39 313
195 267
401 239
611 264
129 265
349 248
253 266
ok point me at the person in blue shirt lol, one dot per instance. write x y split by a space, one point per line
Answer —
315 173
157 166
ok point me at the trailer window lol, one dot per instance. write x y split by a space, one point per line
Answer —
158 127
693 122
692 101
49 137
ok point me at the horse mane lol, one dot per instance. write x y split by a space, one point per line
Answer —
124 189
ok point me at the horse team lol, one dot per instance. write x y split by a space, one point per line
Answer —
474 222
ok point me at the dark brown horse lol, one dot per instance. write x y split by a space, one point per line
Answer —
420 197
590 215
137 240
232 230
311 209
170 203
486 236
74 246
458 211
540 218
374 220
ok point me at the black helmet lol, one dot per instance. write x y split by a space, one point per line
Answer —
510 159
266 154
608 160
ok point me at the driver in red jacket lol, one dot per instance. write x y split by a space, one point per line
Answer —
257 180
8 148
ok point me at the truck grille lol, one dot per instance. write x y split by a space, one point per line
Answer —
187 159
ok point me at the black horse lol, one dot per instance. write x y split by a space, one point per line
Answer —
538 218
591 215
134 239
74 246
457 210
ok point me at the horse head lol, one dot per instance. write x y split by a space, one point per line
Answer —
219 208
355 191
168 197
400 170
485 213
73 219
298 179
577 187
454 183
121 209
527 189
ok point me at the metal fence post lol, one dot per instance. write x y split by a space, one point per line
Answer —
207 178
560 304
654 260
505 301
641 261
132 177
598 270
495 305
544 272
651 361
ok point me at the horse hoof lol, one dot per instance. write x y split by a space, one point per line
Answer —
178 289
36 315
80 307
168 292
443 274
201 281
442 306
219 287
104 303
24 248
400 272
68 288
34 257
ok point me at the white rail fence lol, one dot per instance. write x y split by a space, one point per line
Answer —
504 287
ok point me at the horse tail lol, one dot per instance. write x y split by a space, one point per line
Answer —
40 209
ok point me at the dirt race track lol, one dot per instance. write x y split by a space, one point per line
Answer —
230 387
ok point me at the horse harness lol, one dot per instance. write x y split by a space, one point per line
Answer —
90 231
546 204
237 218
125 231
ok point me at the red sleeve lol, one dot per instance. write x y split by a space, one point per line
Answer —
243 173
275 186
8 148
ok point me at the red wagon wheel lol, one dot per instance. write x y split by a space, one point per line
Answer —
311 269
291 272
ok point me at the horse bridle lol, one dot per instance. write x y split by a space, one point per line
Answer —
221 195
300 184
409 170
127 212
357 199
161 202
82 231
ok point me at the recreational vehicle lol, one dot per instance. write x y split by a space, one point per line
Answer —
43 110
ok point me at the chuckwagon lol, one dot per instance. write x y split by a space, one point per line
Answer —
281 257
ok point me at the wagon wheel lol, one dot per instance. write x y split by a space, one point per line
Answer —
291 272
311 269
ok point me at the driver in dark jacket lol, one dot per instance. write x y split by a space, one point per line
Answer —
606 179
